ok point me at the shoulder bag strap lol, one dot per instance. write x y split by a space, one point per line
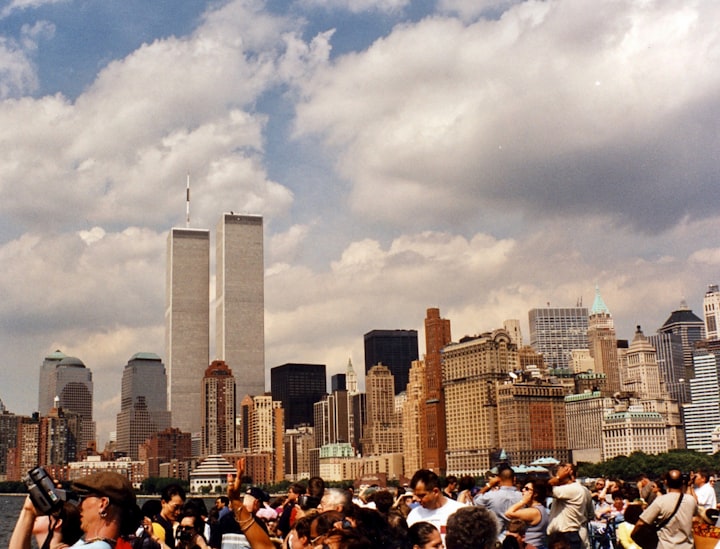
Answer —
677 506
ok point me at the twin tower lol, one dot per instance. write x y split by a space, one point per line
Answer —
239 312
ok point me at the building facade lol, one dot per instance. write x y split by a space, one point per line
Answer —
187 323
240 300
556 331
395 349
602 343
298 387
218 412
383 427
711 311
143 403
684 324
702 414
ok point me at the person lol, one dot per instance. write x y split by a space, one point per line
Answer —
572 507
107 508
647 488
55 531
515 535
678 530
625 528
172 498
434 507
451 484
471 527
289 509
704 491
258 538
499 494
531 509
423 535
335 499
222 504
190 531
466 484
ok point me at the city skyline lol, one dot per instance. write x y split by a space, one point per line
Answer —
519 162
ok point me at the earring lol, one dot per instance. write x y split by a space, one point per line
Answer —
103 513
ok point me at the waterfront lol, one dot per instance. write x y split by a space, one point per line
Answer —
10 506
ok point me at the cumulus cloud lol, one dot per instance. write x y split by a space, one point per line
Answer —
18 5
553 109
358 6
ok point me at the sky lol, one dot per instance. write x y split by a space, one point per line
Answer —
484 157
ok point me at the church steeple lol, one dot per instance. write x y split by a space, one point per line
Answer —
599 306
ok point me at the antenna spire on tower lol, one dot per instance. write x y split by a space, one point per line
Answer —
187 203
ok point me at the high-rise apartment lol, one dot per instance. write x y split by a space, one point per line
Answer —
143 403
298 387
432 406
395 349
187 323
261 437
218 411
240 300
383 428
557 331
470 370
711 310
602 343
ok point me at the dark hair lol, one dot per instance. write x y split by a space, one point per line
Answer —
297 488
172 490
451 479
70 527
151 508
540 490
466 483
225 500
427 477
383 501
471 528
324 522
316 487
420 532
196 505
302 526
632 513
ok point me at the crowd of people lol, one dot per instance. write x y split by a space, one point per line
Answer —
553 513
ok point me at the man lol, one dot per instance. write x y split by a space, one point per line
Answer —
572 508
499 494
647 488
172 498
189 532
677 533
450 489
254 500
704 491
222 504
288 513
471 528
434 507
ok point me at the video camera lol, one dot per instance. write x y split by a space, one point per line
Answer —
45 496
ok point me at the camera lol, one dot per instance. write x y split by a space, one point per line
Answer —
184 535
45 496
306 502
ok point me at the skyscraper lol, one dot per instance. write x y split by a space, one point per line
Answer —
383 428
702 415
690 329
711 310
73 386
556 331
395 349
298 387
47 391
187 323
602 343
218 411
432 406
240 300
671 363
143 403
642 375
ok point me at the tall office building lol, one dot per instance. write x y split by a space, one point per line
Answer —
395 349
383 428
47 391
59 431
602 343
298 387
240 300
72 384
711 310
332 419
690 329
143 403
702 414
642 375
557 331
187 323
470 370
584 414
218 412
670 361
432 406
412 420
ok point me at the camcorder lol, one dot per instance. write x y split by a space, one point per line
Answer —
306 502
45 496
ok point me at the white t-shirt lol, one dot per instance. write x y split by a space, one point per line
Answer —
437 517
706 496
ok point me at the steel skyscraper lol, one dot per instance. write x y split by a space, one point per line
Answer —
187 323
240 300
395 349
557 331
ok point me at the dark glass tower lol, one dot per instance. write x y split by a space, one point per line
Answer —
298 387
395 349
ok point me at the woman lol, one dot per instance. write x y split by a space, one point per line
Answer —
424 535
531 509
632 513
55 531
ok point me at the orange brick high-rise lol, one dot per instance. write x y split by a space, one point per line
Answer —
432 415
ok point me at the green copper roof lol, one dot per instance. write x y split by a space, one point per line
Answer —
57 355
599 306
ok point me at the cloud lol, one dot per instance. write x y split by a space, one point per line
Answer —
552 110
20 5
357 6
17 72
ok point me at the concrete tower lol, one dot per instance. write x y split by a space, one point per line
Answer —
240 300
143 403
74 387
557 331
690 329
47 391
642 375
187 323
218 411
383 428
711 309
